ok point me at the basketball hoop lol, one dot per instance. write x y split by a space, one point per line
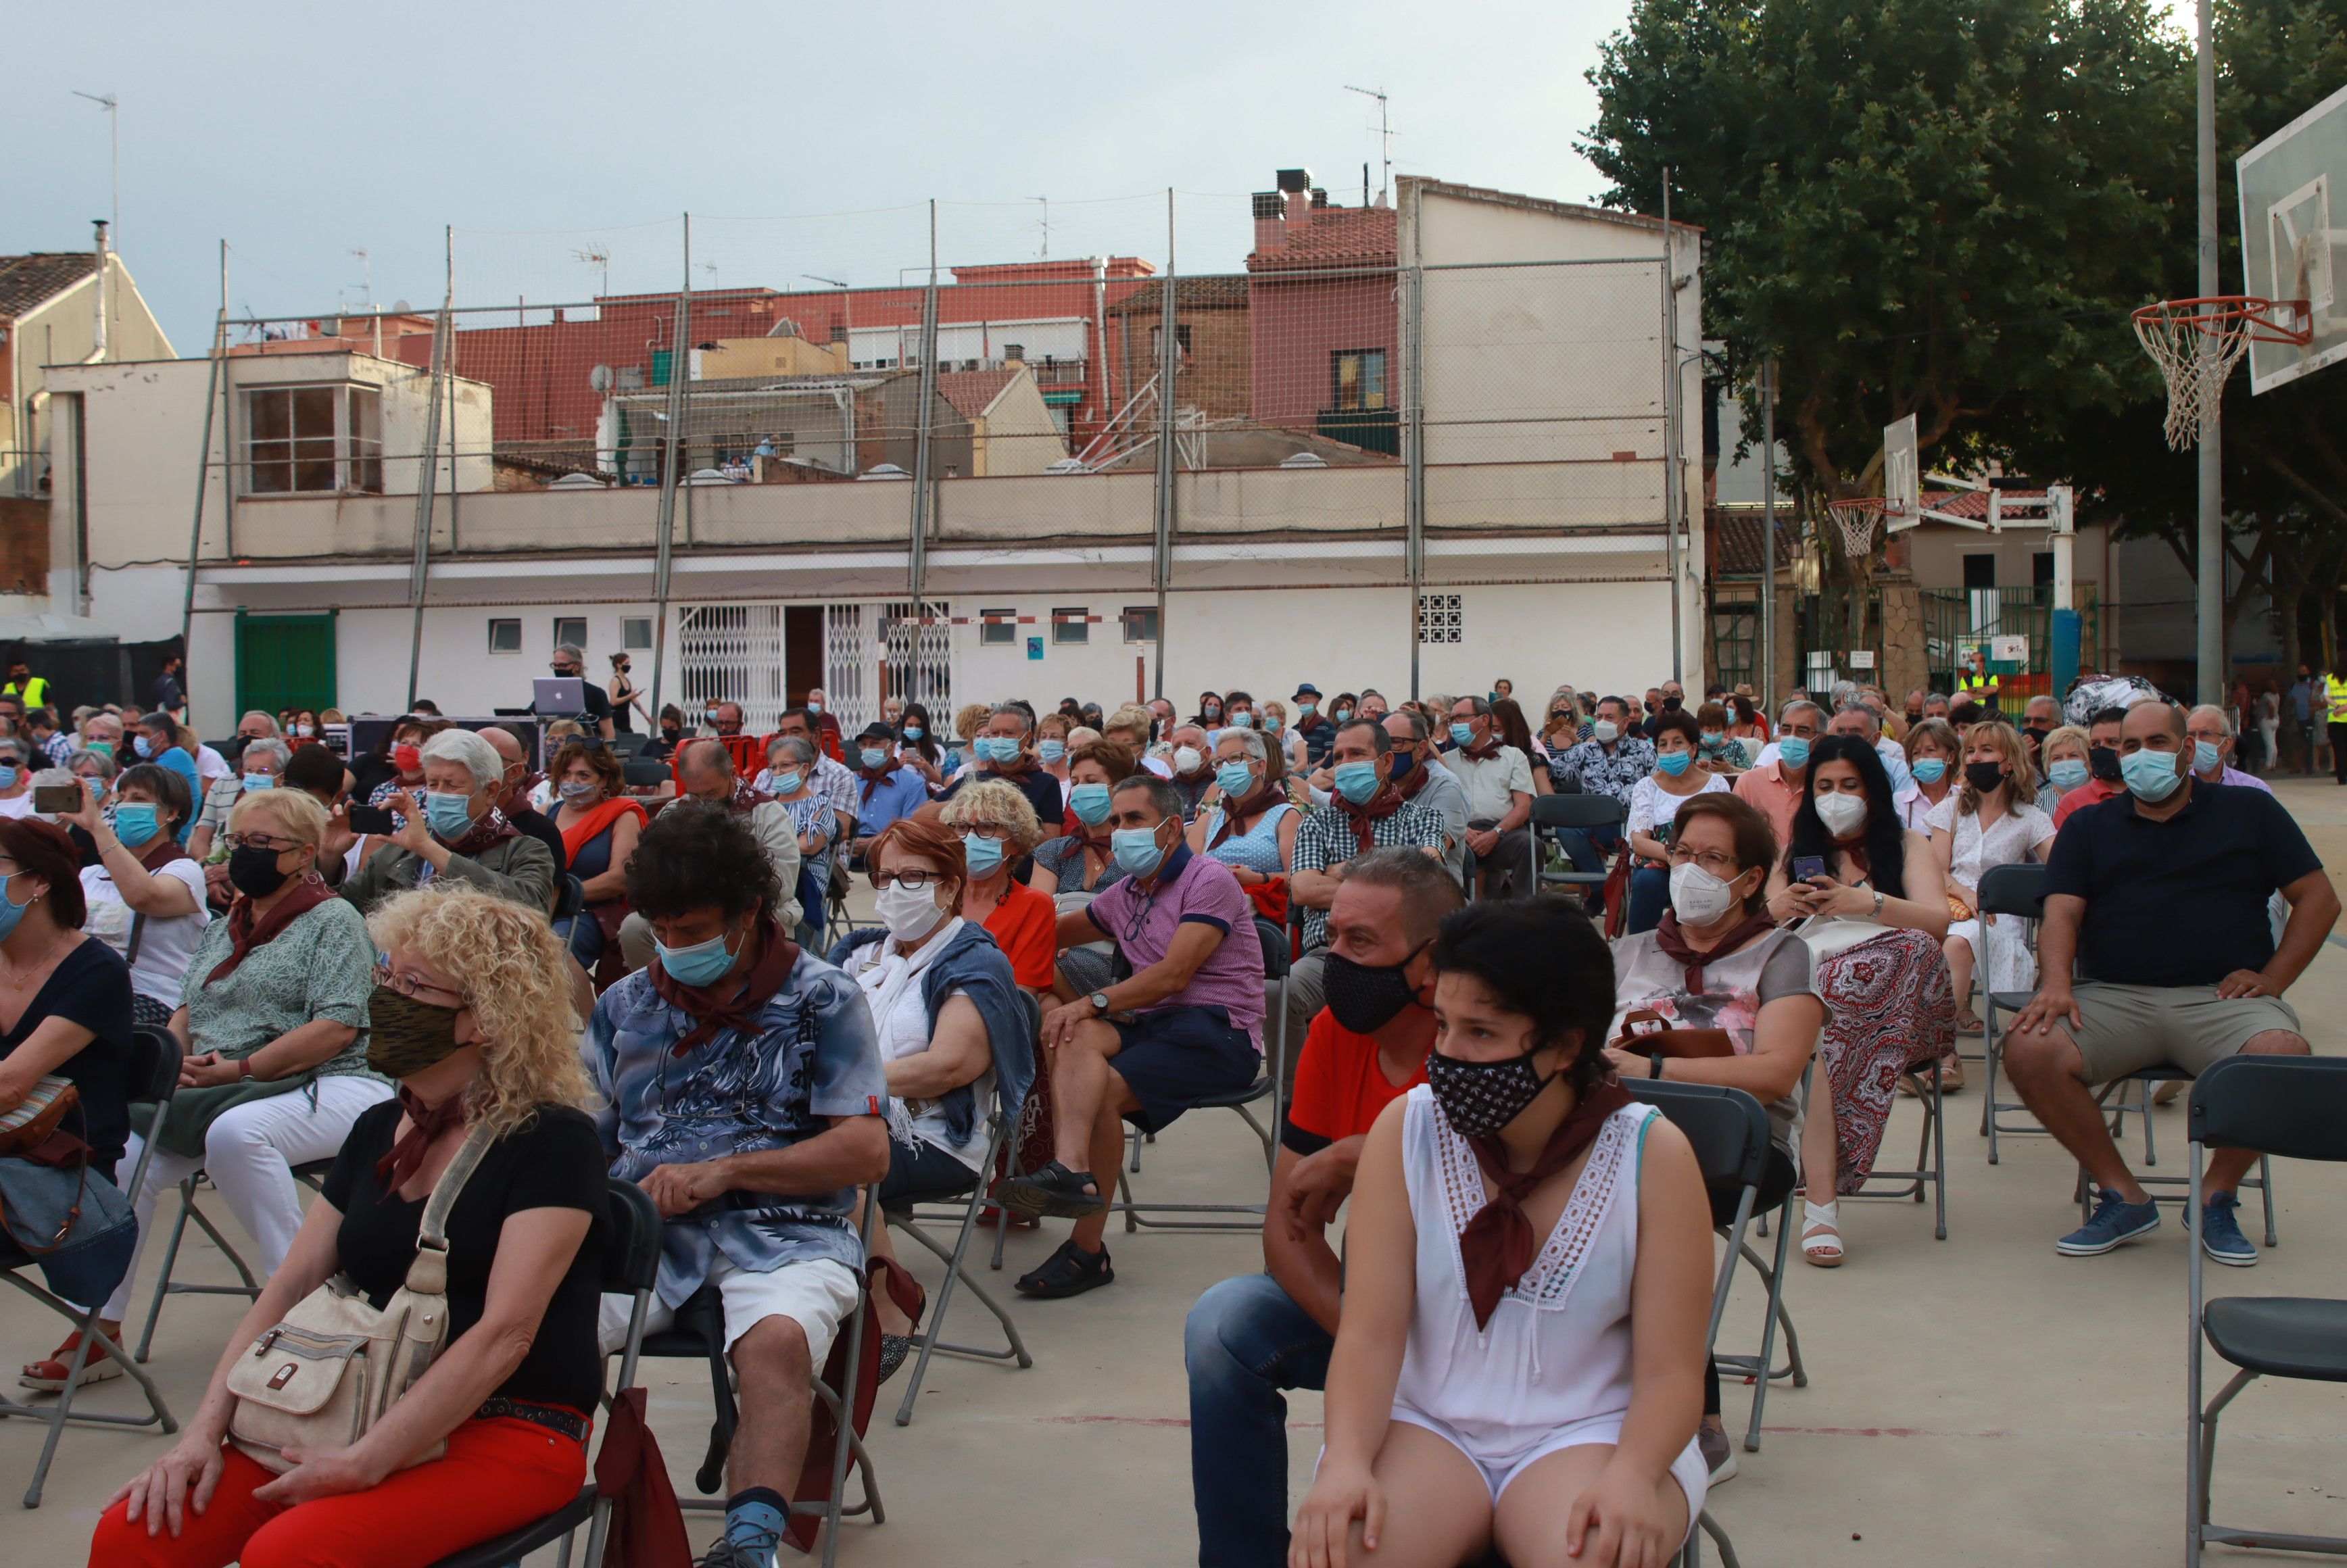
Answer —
1856 518
2197 342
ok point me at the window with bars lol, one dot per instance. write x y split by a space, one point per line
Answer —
1441 618
313 440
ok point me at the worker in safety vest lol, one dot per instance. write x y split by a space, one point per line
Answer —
1975 682
28 688
2334 700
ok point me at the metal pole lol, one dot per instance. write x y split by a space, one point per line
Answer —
923 461
2211 595
1671 434
679 363
1768 537
1413 493
428 466
204 457
1169 356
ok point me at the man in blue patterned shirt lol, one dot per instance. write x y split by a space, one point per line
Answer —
744 1092
1611 762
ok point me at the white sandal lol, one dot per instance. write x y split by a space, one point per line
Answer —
1821 1240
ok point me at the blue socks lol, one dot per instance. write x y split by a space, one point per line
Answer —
754 1518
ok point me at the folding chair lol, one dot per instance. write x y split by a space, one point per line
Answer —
312 1175
1581 812
631 1268
1275 951
1923 1076
1730 1130
2294 1106
699 1334
1690 1556
154 1074
908 1216
2017 892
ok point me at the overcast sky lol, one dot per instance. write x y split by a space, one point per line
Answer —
300 133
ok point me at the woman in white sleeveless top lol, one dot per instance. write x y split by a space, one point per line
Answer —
1525 1305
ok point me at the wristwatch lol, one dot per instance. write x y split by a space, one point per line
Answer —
1654 1065
1876 913
1099 1003
244 1068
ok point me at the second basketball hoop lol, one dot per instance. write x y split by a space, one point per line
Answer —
1858 517
2197 343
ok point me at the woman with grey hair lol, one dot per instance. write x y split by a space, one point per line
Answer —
790 779
86 763
1246 821
263 764
456 830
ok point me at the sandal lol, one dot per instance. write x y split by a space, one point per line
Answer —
1055 1192
49 1377
1952 1076
1821 1241
1968 1022
1070 1271
895 1349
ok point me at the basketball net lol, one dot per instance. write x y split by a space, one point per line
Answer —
1857 519
2197 343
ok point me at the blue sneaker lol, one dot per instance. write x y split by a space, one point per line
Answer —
2221 1234
2116 1220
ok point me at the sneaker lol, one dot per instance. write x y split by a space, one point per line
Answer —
729 1554
1054 1191
2116 1220
2221 1234
1718 1452
1070 1271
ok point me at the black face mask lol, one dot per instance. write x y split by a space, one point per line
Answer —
405 1036
253 870
2103 762
1671 704
1984 776
1479 1098
2036 734
1365 998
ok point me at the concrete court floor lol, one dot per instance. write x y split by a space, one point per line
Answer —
1979 1400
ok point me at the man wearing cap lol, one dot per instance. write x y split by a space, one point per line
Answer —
887 788
1312 724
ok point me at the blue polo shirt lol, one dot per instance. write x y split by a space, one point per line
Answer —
900 794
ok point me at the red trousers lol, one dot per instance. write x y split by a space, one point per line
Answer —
497 1476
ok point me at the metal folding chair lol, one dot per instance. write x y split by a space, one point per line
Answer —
2294 1106
631 1268
153 1075
2018 892
1729 1131
1924 1077
312 1175
1581 812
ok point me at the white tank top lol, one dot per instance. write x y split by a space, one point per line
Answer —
1556 1351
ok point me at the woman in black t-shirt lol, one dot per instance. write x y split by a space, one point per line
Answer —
471 1014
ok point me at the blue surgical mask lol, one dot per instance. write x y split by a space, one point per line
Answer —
135 823
1136 850
1235 778
875 757
1243 719
1793 751
1089 802
1357 781
1271 723
1050 750
2150 775
142 746
2067 775
8 778
912 731
10 910
998 749
984 854
1712 740
1342 714
786 783
701 964
1307 709
1932 769
2205 757
1462 734
259 781
449 817
1675 762
815 707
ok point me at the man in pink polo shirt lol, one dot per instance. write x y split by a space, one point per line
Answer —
1775 786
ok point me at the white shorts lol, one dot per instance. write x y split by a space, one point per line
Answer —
1692 1475
816 1294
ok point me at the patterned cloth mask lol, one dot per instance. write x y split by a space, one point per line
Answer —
1479 1098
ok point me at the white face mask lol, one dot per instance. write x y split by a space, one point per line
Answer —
1186 760
1842 813
909 913
1698 898
1606 730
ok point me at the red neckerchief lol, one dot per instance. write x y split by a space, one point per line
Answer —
161 853
1497 1246
1382 805
245 933
1421 774
1482 753
873 779
1673 941
1856 849
1261 798
744 797
1020 769
710 1009
487 834
425 1123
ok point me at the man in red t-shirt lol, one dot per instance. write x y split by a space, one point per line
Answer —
1251 1339
2102 761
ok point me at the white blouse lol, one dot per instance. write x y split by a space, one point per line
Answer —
1652 806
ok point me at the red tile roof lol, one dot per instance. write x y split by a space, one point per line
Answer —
1972 503
972 392
1337 236
27 281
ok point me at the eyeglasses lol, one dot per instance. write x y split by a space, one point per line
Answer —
271 842
915 878
407 985
987 829
1723 866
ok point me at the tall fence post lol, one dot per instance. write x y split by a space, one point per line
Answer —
428 465
1413 435
1671 437
1768 537
213 396
679 367
923 481
1169 359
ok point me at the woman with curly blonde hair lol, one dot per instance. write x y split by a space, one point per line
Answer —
470 1015
997 828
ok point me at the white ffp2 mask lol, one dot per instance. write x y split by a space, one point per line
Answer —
1698 898
1842 813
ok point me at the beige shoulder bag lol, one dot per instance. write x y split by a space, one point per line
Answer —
330 1369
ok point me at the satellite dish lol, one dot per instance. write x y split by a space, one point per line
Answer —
600 378
400 307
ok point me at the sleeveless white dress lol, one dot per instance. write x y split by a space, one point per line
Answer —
1552 1369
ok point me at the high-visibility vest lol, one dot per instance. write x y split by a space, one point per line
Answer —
34 692
2334 692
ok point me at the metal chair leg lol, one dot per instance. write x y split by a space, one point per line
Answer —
170 1257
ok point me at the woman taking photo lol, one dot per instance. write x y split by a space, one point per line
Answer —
145 895
398 762
1654 801
1554 1397
1935 756
917 746
599 824
1991 821
1877 914
997 827
472 1017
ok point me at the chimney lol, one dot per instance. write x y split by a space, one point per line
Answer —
1268 234
98 336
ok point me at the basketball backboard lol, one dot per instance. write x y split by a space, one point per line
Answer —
1903 475
2293 190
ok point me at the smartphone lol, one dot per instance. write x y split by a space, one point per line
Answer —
375 819
53 799
1808 866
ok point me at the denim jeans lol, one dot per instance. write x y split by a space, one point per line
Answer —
1650 895
1247 1342
1588 847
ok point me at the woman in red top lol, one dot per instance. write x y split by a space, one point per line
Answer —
998 827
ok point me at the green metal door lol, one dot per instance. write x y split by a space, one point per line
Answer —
284 661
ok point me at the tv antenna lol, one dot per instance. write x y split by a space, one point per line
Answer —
113 108
368 264
596 256
1047 227
1385 135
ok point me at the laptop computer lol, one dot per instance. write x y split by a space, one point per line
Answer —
563 695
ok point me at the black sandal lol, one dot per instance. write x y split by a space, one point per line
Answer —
1070 1271
895 1350
1055 1192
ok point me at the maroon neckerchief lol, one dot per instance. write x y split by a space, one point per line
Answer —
745 798
711 1011
425 1123
1260 799
1673 941
1482 753
161 853
1365 816
1498 1245
1018 769
1421 774
245 933
487 834
1856 849
873 780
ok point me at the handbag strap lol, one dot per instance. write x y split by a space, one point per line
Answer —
428 1275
